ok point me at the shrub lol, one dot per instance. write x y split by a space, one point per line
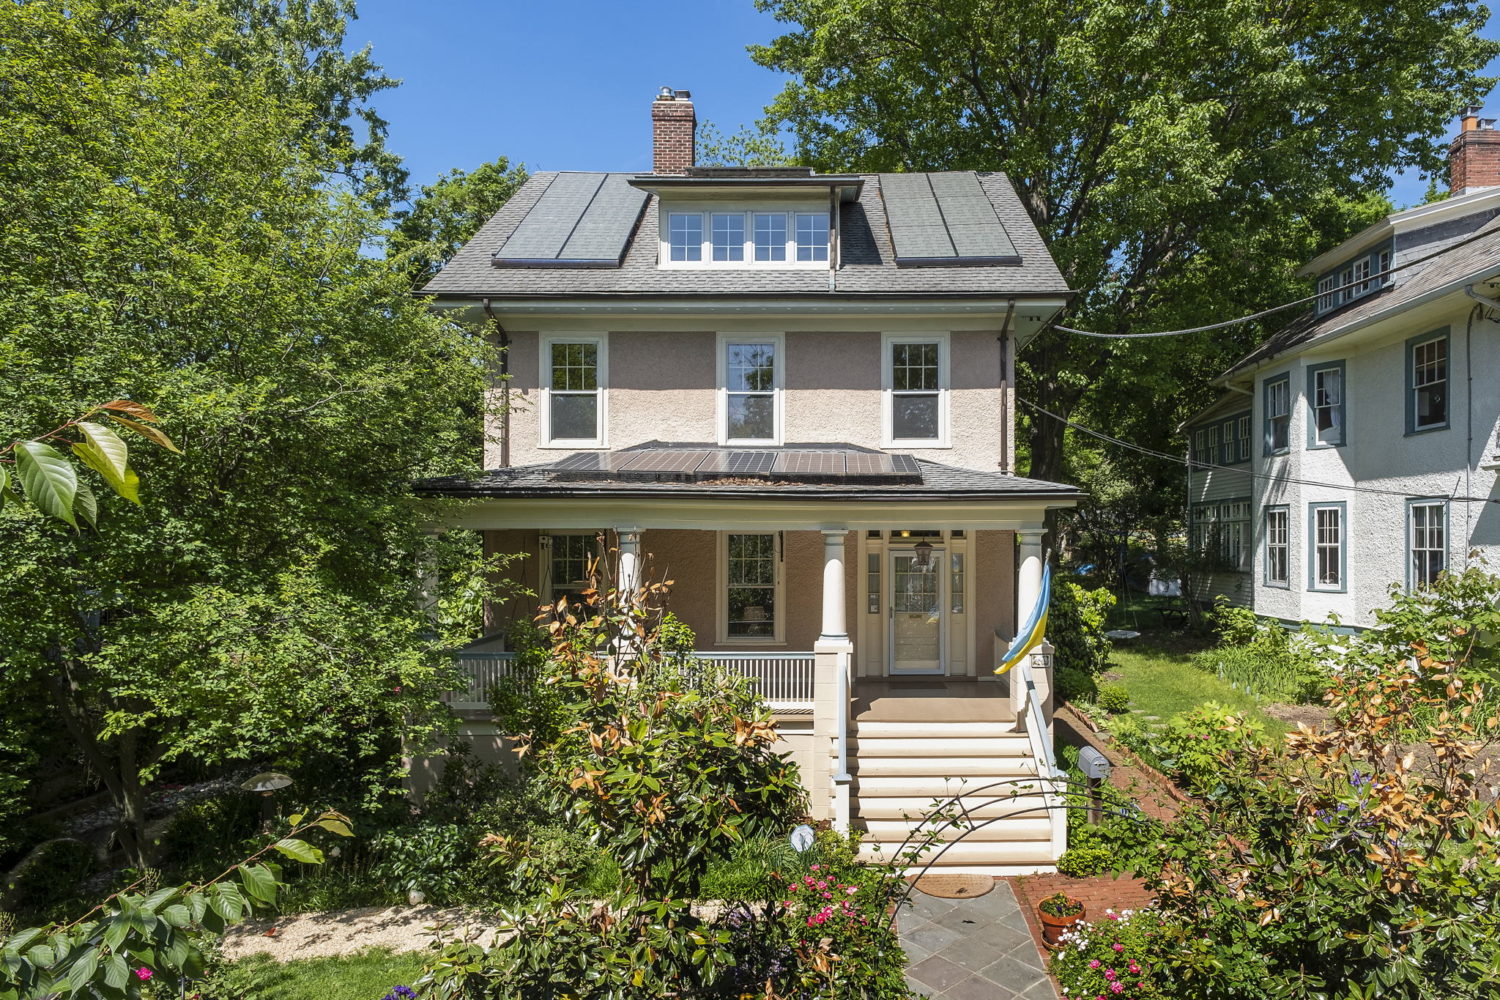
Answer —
1113 698
1192 747
1076 623
204 833
1074 684
48 879
1128 839
1233 625
1118 955
1083 862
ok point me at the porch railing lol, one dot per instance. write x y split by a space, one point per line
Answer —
784 680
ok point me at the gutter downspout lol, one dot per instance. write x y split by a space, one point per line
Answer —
1008 421
835 249
504 339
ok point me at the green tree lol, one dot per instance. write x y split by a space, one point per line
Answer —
187 221
744 147
1179 159
449 212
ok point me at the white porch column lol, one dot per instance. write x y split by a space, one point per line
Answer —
832 657
629 544
1028 589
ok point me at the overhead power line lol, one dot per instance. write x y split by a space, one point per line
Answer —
1262 314
1209 466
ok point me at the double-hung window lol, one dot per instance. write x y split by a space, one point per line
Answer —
573 379
566 558
1325 395
712 237
1278 552
1328 544
1278 414
916 390
1427 382
1361 275
1326 298
1383 267
751 380
1243 436
1346 285
1200 447
751 587
1426 541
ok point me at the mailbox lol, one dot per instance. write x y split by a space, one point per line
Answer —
1093 763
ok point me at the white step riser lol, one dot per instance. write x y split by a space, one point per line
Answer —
930 789
914 809
894 831
941 746
935 730
971 852
944 767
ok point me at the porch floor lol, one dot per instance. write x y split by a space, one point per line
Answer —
931 699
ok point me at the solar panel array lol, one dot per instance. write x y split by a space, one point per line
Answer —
944 219
582 219
698 465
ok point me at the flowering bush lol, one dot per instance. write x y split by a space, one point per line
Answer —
1117 956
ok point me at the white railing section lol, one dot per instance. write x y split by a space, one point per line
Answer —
1038 733
785 680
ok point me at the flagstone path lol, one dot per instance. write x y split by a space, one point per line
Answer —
972 949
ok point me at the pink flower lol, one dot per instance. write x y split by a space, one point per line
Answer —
1109 974
1134 967
1095 964
1117 987
817 868
143 973
852 889
1111 914
1117 946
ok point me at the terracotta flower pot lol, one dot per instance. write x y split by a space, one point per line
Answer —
1053 927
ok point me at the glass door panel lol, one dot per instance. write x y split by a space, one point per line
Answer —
916 614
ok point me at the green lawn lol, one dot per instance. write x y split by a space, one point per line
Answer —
366 975
1155 669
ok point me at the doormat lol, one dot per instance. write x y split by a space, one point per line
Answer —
955 886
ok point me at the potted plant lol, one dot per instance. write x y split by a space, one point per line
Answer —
1058 912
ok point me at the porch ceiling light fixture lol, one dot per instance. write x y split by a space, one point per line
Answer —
924 555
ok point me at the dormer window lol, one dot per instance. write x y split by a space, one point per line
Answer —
778 238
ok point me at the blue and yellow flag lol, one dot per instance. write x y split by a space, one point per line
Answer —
1029 637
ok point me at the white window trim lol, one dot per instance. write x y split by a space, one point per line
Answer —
749 209
778 391
887 391
544 380
721 577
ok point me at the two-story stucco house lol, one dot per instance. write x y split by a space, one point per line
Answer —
792 394
1358 447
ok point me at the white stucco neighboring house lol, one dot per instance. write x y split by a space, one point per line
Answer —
1375 416
793 393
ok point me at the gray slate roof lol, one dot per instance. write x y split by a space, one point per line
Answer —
1467 261
938 482
531 223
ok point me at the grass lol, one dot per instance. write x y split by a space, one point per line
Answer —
364 975
1158 672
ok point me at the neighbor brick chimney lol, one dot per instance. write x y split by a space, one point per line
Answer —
1474 157
674 127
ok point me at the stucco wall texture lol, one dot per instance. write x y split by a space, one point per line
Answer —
662 387
1380 454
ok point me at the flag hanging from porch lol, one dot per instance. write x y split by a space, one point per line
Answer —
1029 637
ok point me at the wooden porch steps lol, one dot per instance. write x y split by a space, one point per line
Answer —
903 768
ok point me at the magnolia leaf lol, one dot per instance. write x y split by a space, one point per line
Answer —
133 408
295 819
122 480
116 972
147 432
299 850
86 505
82 972
50 480
336 826
259 883
111 447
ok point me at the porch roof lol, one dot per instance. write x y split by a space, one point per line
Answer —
607 475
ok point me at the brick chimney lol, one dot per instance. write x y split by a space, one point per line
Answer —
674 127
1474 157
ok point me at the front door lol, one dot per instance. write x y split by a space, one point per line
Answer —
916 640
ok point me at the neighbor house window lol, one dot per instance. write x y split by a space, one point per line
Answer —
1278 405
1328 545
751 380
1346 285
1361 275
1427 382
1325 293
1220 531
572 400
744 238
1383 267
752 583
1325 394
566 559
916 383
1200 446
1243 425
1426 540
685 235
1278 547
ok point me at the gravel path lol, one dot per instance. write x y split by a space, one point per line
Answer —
343 932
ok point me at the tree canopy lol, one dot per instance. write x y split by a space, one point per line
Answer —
449 211
189 213
1179 159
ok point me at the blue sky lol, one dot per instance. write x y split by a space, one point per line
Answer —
567 84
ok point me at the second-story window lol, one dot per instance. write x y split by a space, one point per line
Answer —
1278 415
1427 383
1325 393
750 377
812 236
729 235
573 379
765 238
1325 293
916 382
770 236
685 236
1244 438
1361 275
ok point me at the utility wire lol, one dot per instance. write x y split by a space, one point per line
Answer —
1209 466
1327 293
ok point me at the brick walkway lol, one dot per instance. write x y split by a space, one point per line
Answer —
973 949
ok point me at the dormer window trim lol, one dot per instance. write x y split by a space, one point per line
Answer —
704 236
1357 277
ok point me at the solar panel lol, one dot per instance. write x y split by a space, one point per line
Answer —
829 465
944 219
825 464
581 220
738 463
663 463
863 463
905 465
